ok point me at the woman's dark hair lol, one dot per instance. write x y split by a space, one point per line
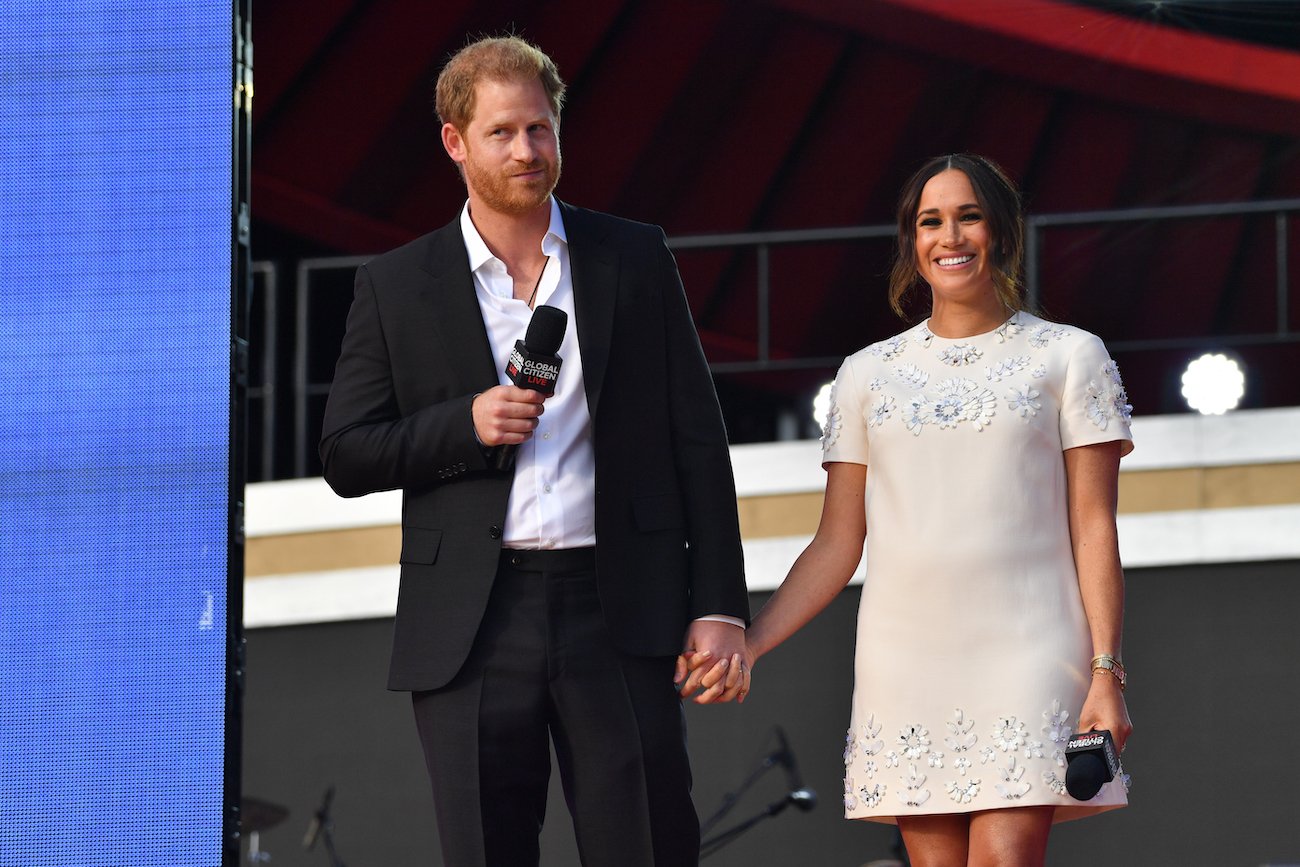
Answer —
1000 202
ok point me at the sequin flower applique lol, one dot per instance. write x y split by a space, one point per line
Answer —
1008 734
963 791
1006 367
914 794
1045 334
955 400
1008 329
1013 786
834 421
960 354
910 376
914 741
1024 400
889 349
1108 400
880 411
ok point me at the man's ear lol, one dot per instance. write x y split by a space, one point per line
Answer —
453 142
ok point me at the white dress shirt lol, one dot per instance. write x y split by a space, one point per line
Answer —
553 499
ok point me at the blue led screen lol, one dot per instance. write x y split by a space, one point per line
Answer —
115 320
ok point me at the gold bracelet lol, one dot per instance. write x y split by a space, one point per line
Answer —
1109 664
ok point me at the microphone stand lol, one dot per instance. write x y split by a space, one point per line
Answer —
323 826
804 798
729 800
713 844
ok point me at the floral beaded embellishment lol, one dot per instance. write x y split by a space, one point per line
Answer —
1108 400
1017 757
871 796
1057 730
1008 734
865 743
910 376
955 400
1008 329
914 741
1005 368
880 411
834 421
1013 786
913 793
1044 334
960 354
963 791
889 349
1023 399
960 738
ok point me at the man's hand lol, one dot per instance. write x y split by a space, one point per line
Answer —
506 415
713 662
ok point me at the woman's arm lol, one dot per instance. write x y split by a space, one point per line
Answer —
816 578
1092 478
824 567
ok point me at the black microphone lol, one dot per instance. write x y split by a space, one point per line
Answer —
1092 762
319 821
534 364
803 798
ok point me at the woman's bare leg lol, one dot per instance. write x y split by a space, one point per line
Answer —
1015 837
936 841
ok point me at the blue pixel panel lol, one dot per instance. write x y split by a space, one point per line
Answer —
115 257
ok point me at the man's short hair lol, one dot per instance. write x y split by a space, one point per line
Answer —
498 58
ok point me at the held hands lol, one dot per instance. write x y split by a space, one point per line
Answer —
1104 708
506 415
715 663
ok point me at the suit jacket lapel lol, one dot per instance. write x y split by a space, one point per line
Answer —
450 298
595 290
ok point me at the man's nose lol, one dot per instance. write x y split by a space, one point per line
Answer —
522 149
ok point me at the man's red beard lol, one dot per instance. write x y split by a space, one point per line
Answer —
502 192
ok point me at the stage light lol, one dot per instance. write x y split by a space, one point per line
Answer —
1213 384
822 404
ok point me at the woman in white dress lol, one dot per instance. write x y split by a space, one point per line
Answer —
977 457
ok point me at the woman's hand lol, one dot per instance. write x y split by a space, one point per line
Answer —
1105 709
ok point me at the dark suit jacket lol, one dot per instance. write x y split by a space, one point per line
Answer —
416 352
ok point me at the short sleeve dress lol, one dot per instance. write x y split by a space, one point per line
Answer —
973 649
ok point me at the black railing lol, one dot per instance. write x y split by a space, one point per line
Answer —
269 453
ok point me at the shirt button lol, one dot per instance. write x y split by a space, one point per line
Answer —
494 531
546 488
546 435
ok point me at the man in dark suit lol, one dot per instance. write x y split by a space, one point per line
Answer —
549 599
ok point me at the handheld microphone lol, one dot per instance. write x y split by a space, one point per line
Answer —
1092 762
803 798
534 364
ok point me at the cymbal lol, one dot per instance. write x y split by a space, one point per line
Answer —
258 815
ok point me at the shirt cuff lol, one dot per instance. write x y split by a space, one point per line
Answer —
722 618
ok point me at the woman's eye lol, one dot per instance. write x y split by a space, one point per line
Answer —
929 222
972 217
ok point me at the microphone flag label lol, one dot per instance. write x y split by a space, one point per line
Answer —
533 370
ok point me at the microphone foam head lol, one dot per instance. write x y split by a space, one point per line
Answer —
1085 776
546 330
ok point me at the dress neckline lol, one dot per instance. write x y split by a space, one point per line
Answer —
1014 320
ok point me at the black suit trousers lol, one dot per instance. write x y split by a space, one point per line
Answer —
542 668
